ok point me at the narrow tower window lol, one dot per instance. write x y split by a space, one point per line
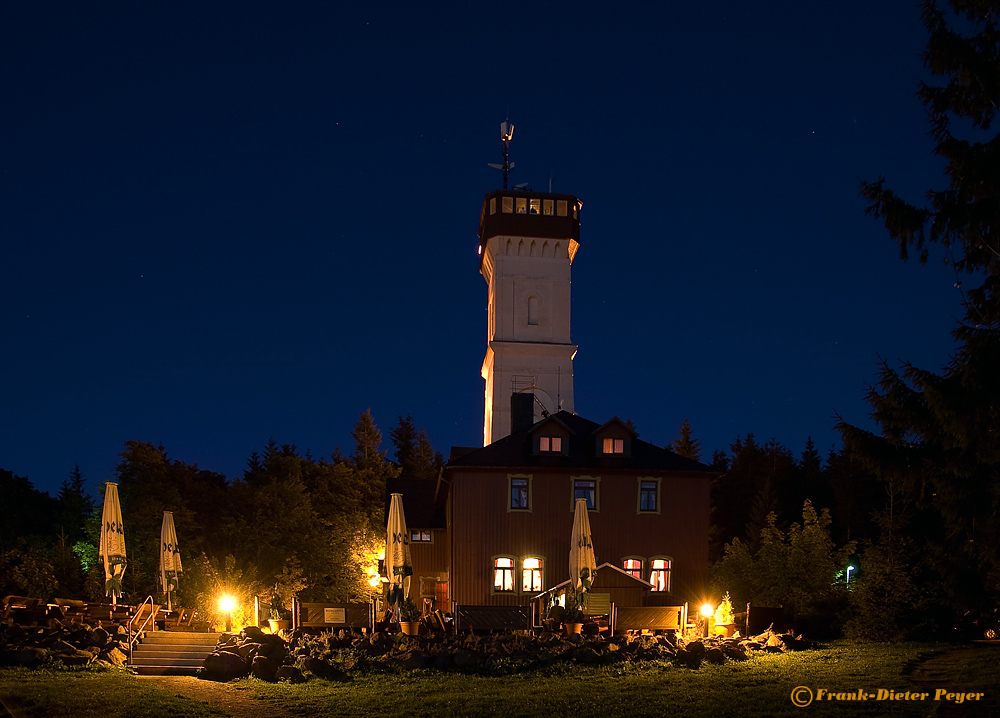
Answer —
533 310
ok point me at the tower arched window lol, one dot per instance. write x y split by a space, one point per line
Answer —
532 310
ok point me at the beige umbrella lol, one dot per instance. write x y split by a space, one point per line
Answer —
170 556
112 548
582 564
398 566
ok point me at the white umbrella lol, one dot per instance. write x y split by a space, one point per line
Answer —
170 556
398 566
582 564
112 542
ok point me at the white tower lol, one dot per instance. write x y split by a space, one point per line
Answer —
527 241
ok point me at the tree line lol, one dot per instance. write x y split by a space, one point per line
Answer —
291 525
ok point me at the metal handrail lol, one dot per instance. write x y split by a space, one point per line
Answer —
138 609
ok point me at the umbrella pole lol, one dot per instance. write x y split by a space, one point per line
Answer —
169 608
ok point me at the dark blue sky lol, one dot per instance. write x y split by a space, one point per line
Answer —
225 222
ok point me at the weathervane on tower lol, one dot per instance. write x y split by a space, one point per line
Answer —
506 135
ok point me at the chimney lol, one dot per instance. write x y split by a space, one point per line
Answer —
522 412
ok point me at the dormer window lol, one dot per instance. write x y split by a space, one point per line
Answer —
614 446
551 444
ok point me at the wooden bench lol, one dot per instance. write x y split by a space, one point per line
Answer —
650 618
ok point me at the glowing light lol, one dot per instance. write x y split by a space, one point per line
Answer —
227 603
707 610
849 569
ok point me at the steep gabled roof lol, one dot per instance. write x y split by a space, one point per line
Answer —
517 450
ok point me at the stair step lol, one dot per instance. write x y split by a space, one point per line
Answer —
187 662
172 653
164 671
137 655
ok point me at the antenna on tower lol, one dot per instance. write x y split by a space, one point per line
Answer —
506 135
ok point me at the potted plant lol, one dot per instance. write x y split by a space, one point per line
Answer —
572 615
409 617
278 618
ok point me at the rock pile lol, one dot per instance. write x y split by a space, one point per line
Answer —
336 655
73 644
252 652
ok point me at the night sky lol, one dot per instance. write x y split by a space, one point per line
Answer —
227 222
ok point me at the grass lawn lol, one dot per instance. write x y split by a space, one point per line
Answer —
761 686
46 693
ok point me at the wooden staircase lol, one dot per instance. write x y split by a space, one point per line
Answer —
172 653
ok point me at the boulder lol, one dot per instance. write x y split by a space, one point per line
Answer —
30 657
735 653
224 666
75 658
100 637
716 656
264 668
289 673
414 659
696 647
586 655
114 656
255 634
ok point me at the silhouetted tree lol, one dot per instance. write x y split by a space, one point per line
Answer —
939 444
686 446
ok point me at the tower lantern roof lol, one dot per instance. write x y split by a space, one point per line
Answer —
522 213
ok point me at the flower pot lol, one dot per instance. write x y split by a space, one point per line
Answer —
409 628
570 628
279 624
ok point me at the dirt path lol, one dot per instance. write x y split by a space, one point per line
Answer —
938 671
234 702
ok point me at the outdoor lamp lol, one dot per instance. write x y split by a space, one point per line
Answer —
707 611
849 569
227 603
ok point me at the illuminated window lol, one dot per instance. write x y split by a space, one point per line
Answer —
633 567
519 494
561 207
550 443
647 495
547 206
503 575
508 204
534 206
614 446
531 575
659 574
522 205
585 489
493 205
420 536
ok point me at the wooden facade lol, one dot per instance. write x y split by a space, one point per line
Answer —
514 501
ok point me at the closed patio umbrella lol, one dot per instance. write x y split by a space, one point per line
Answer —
398 566
582 564
112 548
170 556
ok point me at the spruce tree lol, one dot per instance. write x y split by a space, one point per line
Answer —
686 446
939 441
